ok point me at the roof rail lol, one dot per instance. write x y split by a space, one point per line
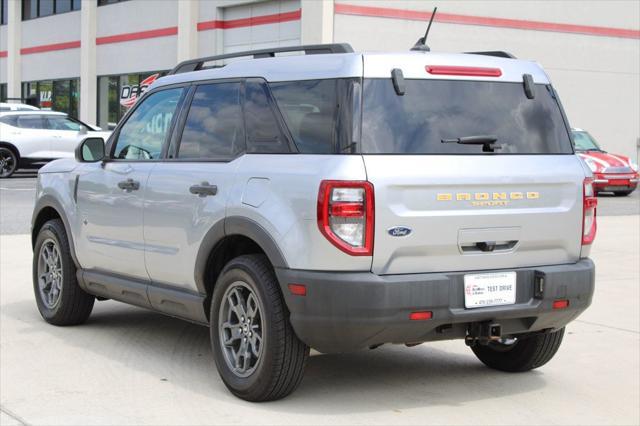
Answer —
310 49
498 53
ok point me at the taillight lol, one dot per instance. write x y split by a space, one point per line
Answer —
345 215
590 202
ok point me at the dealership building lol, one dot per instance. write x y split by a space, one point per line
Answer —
89 57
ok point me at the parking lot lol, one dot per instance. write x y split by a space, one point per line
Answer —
132 366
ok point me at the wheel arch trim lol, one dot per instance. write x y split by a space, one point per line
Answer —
48 201
230 226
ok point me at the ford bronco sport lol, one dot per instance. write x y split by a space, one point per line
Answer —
332 200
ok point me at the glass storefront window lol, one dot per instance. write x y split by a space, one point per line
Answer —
3 92
56 95
118 93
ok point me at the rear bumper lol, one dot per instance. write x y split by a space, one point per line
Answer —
611 182
348 311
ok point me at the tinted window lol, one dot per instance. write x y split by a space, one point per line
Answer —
46 8
30 122
142 135
62 123
263 132
433 110
214 126
584 141
11 120
309 109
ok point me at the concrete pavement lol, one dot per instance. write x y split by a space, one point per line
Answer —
132 366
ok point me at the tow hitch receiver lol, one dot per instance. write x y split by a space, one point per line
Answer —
482 333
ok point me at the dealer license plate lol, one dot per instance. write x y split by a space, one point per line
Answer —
498 288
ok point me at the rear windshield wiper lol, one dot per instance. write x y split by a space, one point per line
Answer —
487 142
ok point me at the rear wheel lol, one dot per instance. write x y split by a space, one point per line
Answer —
59 298
257 353
622 193
520 354
8 162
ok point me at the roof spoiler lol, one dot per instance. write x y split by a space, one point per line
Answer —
311 49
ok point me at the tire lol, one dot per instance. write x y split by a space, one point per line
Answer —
8 162
278 368
525 354
622 193
59 298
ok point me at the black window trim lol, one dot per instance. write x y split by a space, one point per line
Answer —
113 139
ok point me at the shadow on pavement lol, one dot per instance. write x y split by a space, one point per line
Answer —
392 377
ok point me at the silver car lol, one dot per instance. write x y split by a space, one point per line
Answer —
333 200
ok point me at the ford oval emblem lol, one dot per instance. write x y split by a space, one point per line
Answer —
399 231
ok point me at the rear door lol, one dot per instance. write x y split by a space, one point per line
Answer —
34 139
446 206
187 194
65 135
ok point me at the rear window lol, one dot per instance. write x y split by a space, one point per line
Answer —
434 110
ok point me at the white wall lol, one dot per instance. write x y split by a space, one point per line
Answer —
598 78
49 30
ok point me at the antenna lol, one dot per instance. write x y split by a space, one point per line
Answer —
421 44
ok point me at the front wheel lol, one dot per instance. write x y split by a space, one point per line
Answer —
8 162
60 299
257 353
520 354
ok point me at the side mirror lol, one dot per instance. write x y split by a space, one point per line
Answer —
83 130
90 150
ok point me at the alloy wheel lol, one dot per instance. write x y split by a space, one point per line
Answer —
50 273
240 327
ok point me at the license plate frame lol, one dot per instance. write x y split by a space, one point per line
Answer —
490 289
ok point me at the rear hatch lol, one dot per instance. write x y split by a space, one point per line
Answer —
449 206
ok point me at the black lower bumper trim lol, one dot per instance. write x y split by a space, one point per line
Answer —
345 311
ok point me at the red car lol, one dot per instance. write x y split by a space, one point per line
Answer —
611 172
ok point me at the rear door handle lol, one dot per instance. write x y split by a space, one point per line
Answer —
129 185
203 189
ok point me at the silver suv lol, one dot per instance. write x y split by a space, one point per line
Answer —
333 200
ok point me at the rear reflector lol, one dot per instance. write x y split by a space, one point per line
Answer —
560 304
298 289
589 209
420 315
470 71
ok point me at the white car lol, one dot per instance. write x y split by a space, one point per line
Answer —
31 138
4 106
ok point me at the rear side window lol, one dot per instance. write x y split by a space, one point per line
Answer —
309 109
11 120
30 122
214 127
62 123
263 132
434 110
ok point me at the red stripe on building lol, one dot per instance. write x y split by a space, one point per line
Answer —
450 18
3 53
250 22
140 35
50 47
